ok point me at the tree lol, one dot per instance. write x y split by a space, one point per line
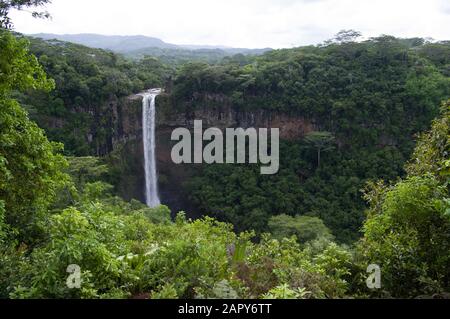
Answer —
344 36
305 228
321 141
408 225
30 166
7 5
433 148
19 69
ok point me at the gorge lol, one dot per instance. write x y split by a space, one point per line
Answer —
96 111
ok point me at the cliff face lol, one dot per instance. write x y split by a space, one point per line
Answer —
214 111
127 120
217 111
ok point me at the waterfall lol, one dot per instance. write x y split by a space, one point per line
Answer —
148 126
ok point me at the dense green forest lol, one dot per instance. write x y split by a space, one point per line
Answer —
369 186
373 97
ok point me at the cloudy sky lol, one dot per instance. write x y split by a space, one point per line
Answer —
243 23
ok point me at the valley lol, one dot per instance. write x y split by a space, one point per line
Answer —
144 193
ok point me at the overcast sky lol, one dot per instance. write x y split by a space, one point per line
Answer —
243 23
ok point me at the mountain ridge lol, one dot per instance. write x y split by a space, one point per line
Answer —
128 44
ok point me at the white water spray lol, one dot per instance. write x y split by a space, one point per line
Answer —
148 126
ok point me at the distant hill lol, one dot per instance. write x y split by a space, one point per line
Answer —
139 45
115 43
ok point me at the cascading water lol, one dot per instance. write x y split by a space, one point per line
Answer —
148 126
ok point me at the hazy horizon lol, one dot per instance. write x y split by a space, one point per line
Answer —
253 24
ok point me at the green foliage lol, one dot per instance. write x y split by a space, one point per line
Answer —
29 163
274 263
335 263
124 252
433 149
87 169
2 222
223 290
79 239
19 69
284 292
408 238
305 228
408 225
439 53
239 194
165 292
109 241
191 259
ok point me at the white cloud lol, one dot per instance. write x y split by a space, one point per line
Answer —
244 23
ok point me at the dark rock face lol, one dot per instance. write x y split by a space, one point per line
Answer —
217 111
214 111
127 120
